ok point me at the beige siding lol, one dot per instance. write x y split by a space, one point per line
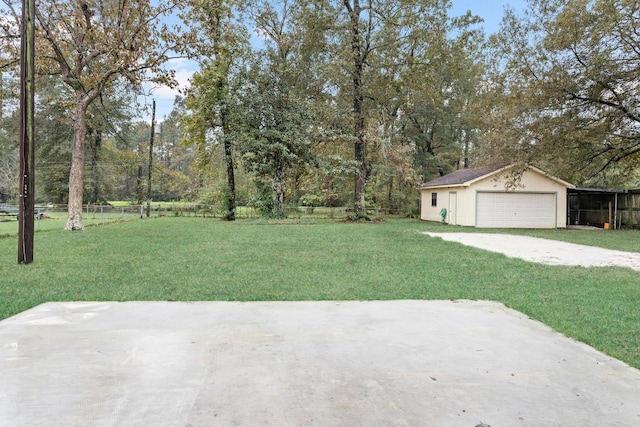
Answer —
466 206
428 212
462 198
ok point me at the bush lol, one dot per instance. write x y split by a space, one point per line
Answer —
312 200
263 200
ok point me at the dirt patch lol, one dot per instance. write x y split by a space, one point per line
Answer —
544 251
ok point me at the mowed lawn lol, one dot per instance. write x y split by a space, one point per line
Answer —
196 259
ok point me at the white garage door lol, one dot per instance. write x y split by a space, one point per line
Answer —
515 210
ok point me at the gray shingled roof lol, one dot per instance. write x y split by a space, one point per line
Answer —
461 176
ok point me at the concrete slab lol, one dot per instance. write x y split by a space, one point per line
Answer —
395 363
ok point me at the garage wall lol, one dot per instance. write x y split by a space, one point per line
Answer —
463 196
531 182
466 198
432 213
467 206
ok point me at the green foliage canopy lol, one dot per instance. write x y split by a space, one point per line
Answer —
569 80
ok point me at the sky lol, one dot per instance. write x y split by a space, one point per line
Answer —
491 11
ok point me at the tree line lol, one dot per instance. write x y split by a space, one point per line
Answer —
321 102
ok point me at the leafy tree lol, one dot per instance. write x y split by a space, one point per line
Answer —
130 152
277 100
9 155
175 159
377 51
211 103
276 138
54 133
219 44
567 71
89 45
439 117
107 121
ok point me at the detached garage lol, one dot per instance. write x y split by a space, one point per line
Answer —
483 198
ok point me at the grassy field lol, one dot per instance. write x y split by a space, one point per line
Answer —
57 221
117 211
189 259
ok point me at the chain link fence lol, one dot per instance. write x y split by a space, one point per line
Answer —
166 209
49 217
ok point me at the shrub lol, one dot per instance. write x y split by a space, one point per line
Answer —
312 200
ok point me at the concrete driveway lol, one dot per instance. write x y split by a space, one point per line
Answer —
544 251
394 363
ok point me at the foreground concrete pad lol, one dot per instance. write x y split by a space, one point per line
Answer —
394 363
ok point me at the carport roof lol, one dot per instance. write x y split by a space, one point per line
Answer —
595 190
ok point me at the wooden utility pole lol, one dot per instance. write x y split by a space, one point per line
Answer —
153 128
27 131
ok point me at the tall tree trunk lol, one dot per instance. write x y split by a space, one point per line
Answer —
76 175
96 146
278 188
296 187
230 214
361 179
231 183
390 193
466 151
359 54
360 147
1 97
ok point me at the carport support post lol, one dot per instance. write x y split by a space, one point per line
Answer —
27 131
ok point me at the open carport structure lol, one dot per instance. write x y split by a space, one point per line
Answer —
597 207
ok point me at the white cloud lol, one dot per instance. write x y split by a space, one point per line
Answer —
164 95
183 69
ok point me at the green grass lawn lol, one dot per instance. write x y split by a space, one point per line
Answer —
190 259
56 220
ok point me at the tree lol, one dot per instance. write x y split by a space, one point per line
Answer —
130 153
8 136
373 43
568 77
219 44
439 116
174 156
277 132
9 89
8 157
362 27
107 122
90 44
278 97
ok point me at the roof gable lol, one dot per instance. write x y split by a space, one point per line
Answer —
466 177
461 176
